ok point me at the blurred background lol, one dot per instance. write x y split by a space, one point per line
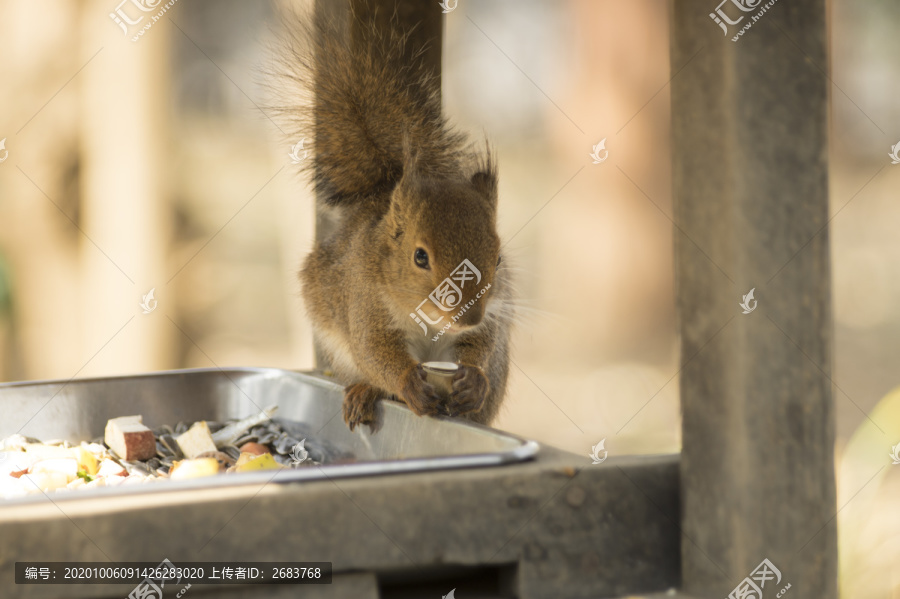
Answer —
153 165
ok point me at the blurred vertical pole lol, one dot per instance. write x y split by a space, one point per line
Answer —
125 200
37 198
422 17
750 148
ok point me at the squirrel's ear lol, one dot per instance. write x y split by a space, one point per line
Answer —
395 222
396 215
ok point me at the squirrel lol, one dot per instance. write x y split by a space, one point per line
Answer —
412 271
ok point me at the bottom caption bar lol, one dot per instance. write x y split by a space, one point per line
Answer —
153 577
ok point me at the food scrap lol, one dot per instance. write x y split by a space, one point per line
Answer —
129 438
131 453
196 440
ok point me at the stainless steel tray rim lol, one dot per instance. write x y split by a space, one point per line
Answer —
521 451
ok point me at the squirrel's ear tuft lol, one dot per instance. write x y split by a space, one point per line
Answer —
485 177
486 183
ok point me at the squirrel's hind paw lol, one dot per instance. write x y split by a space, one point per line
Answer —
360 401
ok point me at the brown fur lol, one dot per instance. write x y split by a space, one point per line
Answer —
400 179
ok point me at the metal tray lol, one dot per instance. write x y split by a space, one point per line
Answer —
77 410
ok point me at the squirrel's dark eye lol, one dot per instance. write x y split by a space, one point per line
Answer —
499 259
421 258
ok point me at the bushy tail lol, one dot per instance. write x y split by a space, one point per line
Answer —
366 105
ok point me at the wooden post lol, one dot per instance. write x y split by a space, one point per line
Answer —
125 201
421 17
749 125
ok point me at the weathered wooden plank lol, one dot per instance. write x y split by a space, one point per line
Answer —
555 528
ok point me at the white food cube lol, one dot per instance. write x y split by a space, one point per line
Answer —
196 440
129 438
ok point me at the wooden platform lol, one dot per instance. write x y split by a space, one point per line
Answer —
557 527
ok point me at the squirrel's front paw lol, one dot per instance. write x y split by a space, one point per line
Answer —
359 404
470 388
420 395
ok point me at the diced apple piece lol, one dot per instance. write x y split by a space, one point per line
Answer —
44 481
245 457
68 467
97 449
194 468
15 462
223 458
129 438
97 482
112 481
262 462
254 448
12 487
86 460
36 451
110 468
196 440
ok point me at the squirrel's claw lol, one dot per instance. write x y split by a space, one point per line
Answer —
420 395
359 405
470 388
